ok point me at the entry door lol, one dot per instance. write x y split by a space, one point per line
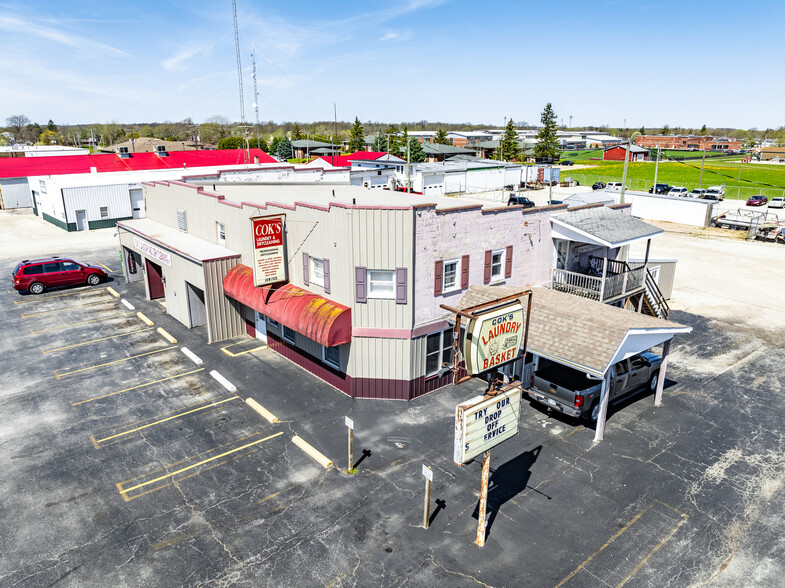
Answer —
196 308
81 220
154 281
655 274
261 327
137 204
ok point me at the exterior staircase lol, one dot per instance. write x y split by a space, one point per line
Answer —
654 302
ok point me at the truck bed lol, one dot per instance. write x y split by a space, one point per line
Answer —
565 377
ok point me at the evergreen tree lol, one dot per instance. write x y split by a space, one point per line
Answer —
547 147
441 137
509 144
393 139
643 130
357 136
416 151
51 126
297 132
284 150
379 142
230 143
665 130
703 130
274 145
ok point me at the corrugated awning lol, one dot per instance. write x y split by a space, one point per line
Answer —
314 316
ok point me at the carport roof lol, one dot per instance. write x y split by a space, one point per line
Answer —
601 226
584 334
181 244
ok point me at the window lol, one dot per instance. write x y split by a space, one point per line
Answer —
50 268
497 265
104 211
181 224
451 269
331 356
621 368
272 323
220 229
561 246
637 362
317 271
33 270
70 266
381 284
438 351
288 334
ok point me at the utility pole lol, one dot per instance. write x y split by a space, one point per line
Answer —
239 66
703 160
656 165
624 176
408 164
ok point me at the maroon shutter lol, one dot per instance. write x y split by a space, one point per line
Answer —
400 285
360 285
326 276
305 268
438 277
464 272
508 262
486 274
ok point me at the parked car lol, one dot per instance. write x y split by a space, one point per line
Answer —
598 185
677 191
520 201
571 392
714 194
614 186
758 200
37 275
660 189
777 202
697 193
566 162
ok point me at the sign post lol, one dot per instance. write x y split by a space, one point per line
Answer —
426 515
486 469
269 265
350 427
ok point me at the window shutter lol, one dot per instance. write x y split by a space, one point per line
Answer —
305 268
486 274
400 285
360 285
438 277
326 276
508 262
464 272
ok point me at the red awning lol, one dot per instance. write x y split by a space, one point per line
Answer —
314 316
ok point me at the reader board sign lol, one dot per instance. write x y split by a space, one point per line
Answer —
153 252
483 424
493 339
269 261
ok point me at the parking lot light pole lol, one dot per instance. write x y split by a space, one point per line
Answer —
624 175
656 166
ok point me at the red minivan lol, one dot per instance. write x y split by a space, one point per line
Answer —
36 275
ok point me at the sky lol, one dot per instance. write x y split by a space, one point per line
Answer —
682 63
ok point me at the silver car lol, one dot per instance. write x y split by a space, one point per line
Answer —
697 193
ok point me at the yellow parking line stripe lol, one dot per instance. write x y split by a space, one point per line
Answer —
45 351
137 387
204 461
230 354
103 266
93 367
79 323
166 419
653 551
42 298
68 308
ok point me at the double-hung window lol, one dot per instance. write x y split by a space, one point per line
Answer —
497 265
438 351
288 334
381 284
331 356
452 268
317 271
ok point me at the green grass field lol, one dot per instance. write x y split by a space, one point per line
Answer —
741 180
589 154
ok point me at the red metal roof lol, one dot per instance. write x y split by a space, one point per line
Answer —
314 316
366 154
20 167
346 160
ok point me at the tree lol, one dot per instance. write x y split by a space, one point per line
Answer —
230 143
51 126
31 133
379 142
643 130
510 148
393 139
49 137
703 130
547 147
274 144
634 136
284 150
357 136
665 130
211 132
441 137
416 151
297 132
15 123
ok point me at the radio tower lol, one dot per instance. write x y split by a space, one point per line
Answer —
239 66
255 93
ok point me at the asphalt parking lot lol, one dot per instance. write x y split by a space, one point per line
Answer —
128 464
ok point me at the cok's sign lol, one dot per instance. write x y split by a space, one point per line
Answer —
269 265
482 424
493 339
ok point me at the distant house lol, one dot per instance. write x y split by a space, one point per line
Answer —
439 152
302 148
152 145
618 152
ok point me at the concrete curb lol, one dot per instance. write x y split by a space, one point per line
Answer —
261 410
311 451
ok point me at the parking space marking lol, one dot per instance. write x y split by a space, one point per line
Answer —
100 365
45 351
139 386
127 304
107 301
79 323
192 356
106 268
41 298
232 354
124 491
158 422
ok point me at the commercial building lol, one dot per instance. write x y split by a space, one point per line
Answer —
692 142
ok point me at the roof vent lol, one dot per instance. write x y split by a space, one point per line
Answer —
123 152
160 150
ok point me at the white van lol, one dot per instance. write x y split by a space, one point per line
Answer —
614 186
678 191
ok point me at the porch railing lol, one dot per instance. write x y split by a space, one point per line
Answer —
616 286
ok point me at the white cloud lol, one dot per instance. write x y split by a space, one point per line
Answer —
16 25
396 36
177 61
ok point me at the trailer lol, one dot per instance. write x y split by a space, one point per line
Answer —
537 175
743 219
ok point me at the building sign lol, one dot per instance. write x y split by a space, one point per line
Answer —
269 265
131 263
493 339
482 424
152 251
